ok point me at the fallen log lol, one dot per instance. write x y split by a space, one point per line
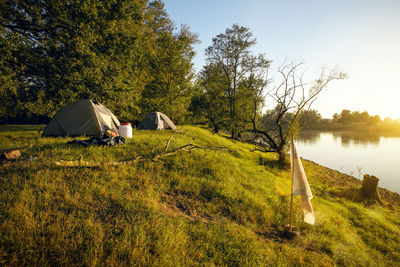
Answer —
80 163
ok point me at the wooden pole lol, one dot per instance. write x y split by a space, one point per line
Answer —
291 189
291 208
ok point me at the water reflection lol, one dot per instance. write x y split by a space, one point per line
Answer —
346 139
355 154
310 137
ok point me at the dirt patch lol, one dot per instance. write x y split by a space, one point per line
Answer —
275 234
178 205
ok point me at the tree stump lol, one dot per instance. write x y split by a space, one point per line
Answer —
369 187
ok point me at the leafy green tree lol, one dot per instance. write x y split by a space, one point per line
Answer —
8 82
309 119
364 116
77 49
251 94
345 116
170 87
230 55
55 52
355 117
374 120
211 101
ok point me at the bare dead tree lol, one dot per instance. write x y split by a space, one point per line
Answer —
291 96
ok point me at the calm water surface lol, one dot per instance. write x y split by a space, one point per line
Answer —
355 154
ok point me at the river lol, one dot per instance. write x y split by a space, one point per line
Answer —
355 154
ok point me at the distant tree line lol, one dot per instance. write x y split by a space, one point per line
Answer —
356 117
348 120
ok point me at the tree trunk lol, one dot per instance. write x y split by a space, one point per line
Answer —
282 163
233 133
369 188
216 128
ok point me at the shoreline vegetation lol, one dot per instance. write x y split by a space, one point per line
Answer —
348 186
206 207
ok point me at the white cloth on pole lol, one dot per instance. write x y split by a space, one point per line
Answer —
300 184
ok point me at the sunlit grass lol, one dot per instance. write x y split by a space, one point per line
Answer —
207 207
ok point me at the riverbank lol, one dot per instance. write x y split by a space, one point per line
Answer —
220 204
344 185
355 154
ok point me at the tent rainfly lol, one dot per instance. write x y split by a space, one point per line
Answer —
156 121
82 117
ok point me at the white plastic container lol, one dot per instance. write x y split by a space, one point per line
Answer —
125 130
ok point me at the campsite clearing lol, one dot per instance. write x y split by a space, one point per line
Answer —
206 207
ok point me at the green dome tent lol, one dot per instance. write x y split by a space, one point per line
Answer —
82 117
156 121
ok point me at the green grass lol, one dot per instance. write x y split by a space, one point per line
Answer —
207 207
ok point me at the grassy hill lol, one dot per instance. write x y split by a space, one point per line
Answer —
223 205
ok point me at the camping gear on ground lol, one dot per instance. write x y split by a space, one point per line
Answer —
125 130
82 117
156 121
111 132
300 186
104 141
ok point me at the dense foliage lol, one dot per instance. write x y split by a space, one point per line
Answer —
232 81
127 55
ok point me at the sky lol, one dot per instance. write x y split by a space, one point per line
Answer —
359 37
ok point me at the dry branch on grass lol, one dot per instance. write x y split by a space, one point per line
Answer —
184 148
165 152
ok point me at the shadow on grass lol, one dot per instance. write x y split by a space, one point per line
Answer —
349 193
44 147
276 233
273 164
21 128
